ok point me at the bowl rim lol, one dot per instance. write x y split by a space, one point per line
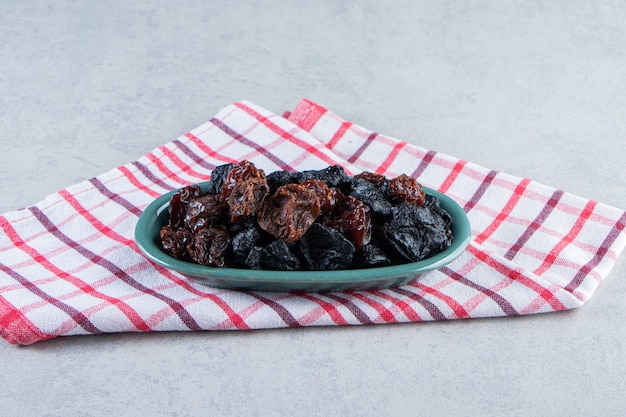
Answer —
146 238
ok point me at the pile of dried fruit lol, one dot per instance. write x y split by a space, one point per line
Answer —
308 220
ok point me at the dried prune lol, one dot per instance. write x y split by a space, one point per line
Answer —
323 248
174 241
218 175
179 202
189 192
278 255
405 188
326 195
432 203
289 212
177 210
253 260
352 217
378 180
246 198
242 171
415 232
205 210
333 176
243 242
371 256
209 246
371 195
278 179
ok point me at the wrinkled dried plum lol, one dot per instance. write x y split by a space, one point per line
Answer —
378 180
278 255
326 195
324 248
288 213
433 204
415 232
405 188
242 171
218 175
179 202
254 258
278 179
371 256
352 217
243 242
246 198
333 176
209 246
175 241
205 210
371 195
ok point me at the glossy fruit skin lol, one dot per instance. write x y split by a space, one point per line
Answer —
416 232
240 172
210 246
353 219
246 199
289 212
406 189
326 195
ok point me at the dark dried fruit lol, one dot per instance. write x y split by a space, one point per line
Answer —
278 179
175 241
246 198
333 176
315 220
371 256
278 255
352 218
189 192
254 260
243 242
244 170
323 248
218 175
416 232
289 212
371 195
210 246
179 202
377 179
405 188
206 210
433 204
326 195
177 210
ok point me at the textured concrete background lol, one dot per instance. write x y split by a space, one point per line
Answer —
535 89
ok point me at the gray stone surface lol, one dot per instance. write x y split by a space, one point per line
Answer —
535 89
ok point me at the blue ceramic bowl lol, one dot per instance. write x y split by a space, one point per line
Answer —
156 215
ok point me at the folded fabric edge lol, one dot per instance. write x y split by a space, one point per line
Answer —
305 114
16 328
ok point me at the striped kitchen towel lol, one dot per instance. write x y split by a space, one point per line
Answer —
69 264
